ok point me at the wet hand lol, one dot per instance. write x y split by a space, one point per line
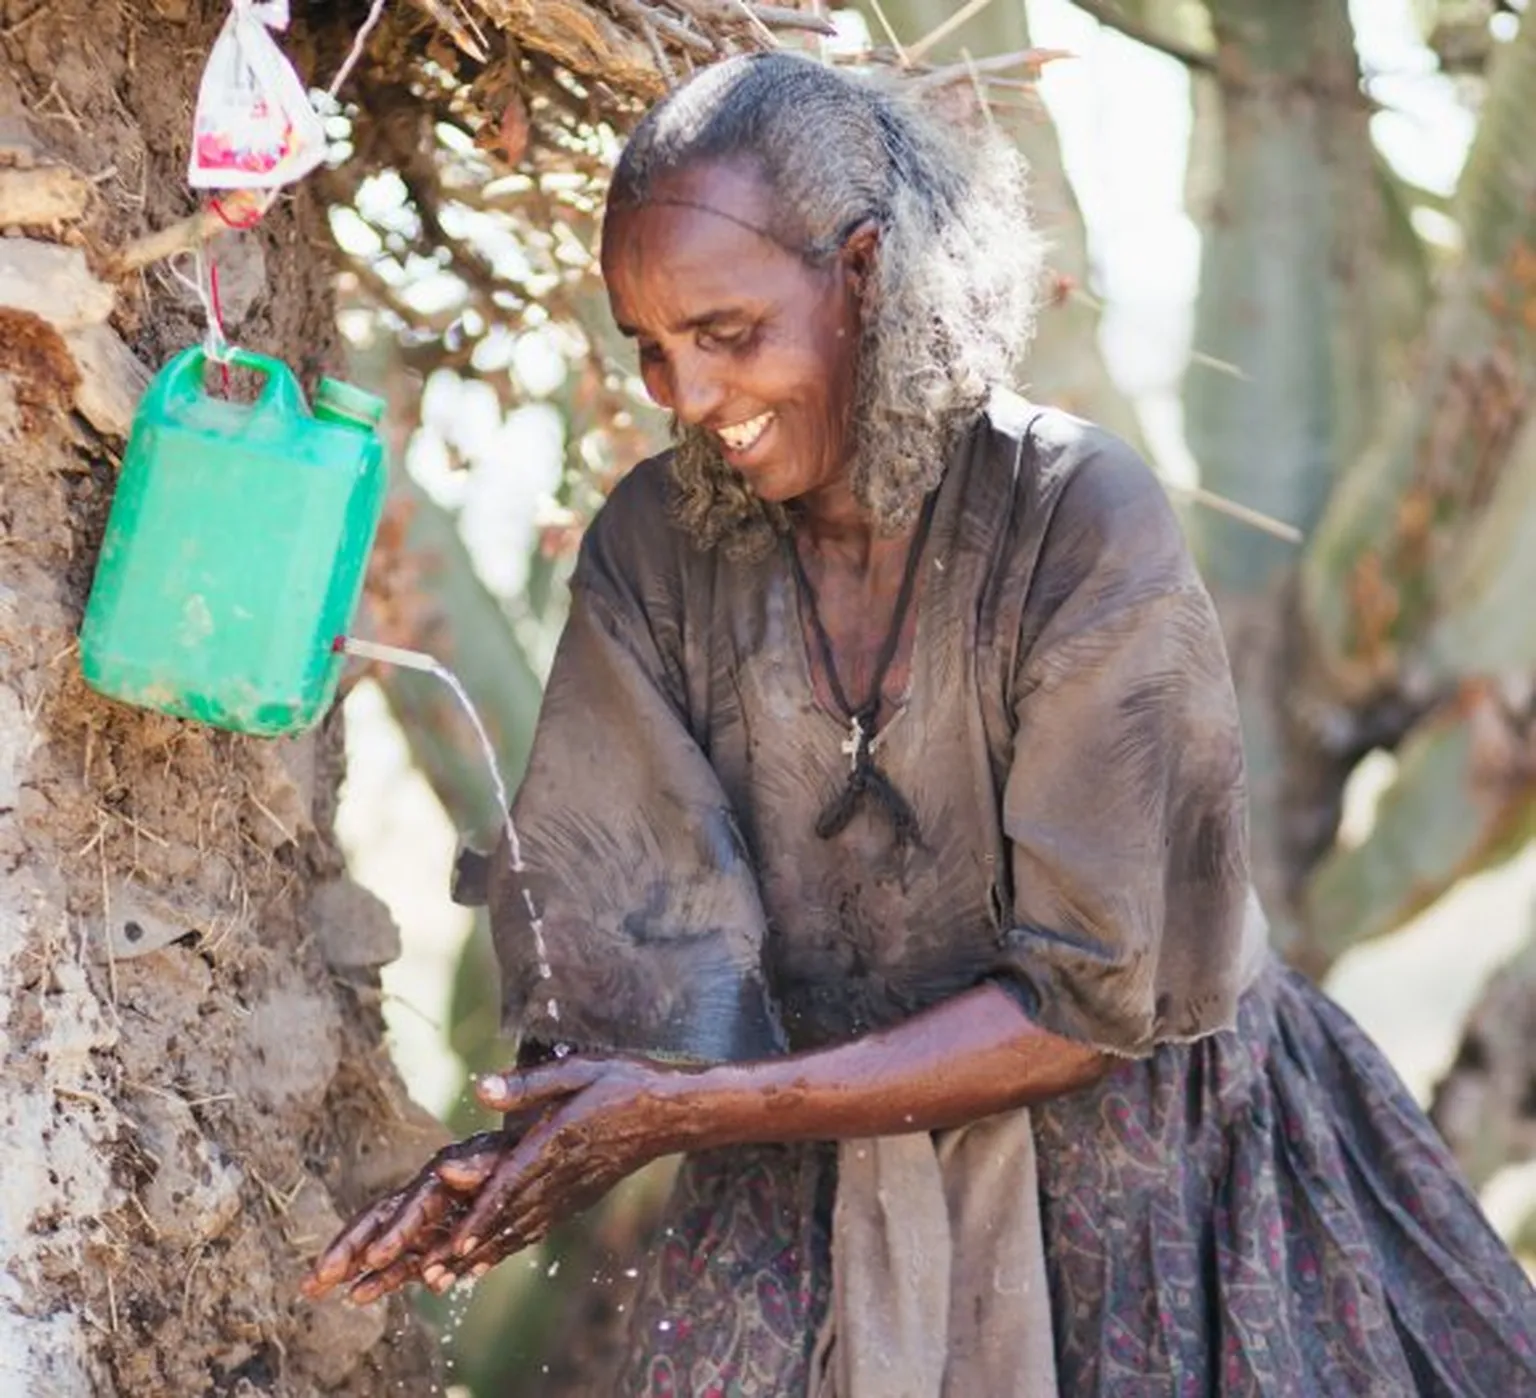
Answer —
397 1237
595 1121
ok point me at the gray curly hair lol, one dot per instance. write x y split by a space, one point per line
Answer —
951 300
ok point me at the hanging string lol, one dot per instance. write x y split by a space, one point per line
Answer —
865 779
204 285
216 322
350 62
257 211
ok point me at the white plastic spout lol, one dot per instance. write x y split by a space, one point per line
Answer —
390 655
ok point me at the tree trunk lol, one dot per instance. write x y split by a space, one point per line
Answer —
1288 300
1485 1106
1065 367
1417 576
1414 590
195 1086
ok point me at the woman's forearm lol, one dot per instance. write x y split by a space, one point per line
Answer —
968 1058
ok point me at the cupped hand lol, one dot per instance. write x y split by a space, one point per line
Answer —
393 1240
594 1122
583 1124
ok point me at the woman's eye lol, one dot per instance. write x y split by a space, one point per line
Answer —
735 338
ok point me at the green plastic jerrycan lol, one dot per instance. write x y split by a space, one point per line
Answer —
235 549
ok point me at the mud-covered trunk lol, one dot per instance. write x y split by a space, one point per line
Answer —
195 1086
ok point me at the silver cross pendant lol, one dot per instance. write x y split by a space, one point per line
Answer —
853 746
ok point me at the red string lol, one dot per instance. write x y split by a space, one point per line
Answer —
250 220
218 315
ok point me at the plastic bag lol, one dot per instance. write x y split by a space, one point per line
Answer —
254 127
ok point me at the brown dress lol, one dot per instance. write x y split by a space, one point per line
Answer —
1250 1204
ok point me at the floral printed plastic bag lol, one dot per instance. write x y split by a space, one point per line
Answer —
254 127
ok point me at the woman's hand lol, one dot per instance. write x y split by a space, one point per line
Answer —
595 1122
582 1125
395 1238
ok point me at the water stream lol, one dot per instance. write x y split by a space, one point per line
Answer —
430 665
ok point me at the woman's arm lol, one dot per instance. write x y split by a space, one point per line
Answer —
595 1121
970 1057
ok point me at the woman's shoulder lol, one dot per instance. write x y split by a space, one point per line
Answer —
1077 479
633 534
1059 453
640 501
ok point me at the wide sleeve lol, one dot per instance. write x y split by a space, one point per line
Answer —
635 924
1124 806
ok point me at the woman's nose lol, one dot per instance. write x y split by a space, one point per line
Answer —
694 390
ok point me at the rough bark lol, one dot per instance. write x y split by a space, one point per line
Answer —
195 1087
1414 590
1410 580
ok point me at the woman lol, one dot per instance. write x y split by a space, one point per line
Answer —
885 827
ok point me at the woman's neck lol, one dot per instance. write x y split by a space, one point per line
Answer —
836 529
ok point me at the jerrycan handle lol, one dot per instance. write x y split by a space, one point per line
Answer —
183 378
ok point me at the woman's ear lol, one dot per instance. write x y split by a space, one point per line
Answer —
858 253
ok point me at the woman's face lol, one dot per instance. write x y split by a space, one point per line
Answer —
738 336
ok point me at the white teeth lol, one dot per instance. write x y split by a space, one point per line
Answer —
744 434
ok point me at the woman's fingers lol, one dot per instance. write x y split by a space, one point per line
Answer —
472 1204
484 1215
546 1199
523 1089
339 1261
494 1249
466 1174
418 1220
438 1195
439 1276
380 1283
528 1221
466 1164
408 1219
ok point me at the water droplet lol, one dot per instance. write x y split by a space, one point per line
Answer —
554 1268
631 1271
663 1325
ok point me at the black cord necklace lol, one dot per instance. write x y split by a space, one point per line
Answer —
864 777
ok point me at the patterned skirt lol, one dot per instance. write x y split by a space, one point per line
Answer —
1264 1212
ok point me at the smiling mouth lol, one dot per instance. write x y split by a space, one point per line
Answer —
744 435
